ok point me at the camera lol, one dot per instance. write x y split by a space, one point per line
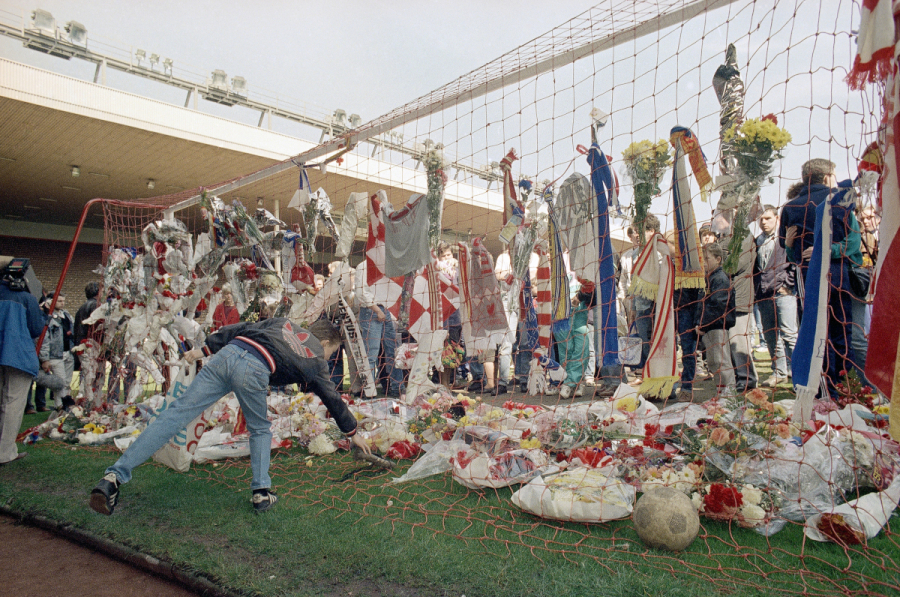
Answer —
18 274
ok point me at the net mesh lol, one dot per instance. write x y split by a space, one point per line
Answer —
623 72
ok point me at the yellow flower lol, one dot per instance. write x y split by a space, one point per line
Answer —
883 409
464 421
628 404
530 443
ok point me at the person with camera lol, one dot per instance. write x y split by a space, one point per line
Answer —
21 322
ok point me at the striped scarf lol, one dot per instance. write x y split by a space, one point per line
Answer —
604 189
510 197
645 272
659 371
875 44
542 287
689 272
561 306
809 351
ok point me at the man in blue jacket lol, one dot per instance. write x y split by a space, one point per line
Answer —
246 359
21 322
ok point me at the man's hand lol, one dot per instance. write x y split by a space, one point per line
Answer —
379 314
193 355
790 236
360 443
699 331
46 367
807 253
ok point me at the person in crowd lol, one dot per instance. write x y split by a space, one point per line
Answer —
861 307
796 233
707 236
504 274
448 265
746 377
56 356
245 359
627 259
376 328
644 307
687 300
319 283
572 345
226 312
717 316
21 322
775 298
521 348
94 332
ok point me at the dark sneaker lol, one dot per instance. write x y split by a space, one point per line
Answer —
105 495
263 499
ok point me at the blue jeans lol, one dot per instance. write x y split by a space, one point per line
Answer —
232 369
370 330
523 354
779 326
643 321
374 334
687 334
859 343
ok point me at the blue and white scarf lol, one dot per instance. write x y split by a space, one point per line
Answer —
606 325
812 340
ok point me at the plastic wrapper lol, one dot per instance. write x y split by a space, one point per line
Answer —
435 461
405 355
477 470
864 517
581 495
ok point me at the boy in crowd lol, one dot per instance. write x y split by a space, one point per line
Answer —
716 318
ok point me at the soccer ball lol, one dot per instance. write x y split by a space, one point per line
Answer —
665 518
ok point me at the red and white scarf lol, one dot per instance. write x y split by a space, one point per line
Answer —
484 322
660 368
875 44
386 290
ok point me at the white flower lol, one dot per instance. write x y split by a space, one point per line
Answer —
753 515
752 495
321 445
696 500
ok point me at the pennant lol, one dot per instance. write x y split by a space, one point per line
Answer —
510 197
689 271
660 368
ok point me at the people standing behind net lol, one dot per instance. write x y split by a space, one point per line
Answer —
56 356
717 316
740 335
688 297
448 265
774 281
93 332
862 308
644 307
818 184
226 312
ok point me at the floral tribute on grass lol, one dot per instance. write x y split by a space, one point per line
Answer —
741 461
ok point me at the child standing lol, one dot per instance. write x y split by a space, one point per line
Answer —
573 344
717 316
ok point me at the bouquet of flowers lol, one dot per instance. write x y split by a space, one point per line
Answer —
749 506
766 418
435 163
645 164
757 144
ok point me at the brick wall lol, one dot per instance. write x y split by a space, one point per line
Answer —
47 260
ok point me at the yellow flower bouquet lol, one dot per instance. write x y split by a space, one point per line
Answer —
645 163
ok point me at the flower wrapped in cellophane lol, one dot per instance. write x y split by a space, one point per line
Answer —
645 164
756 145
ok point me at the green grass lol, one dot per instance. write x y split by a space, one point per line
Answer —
433 537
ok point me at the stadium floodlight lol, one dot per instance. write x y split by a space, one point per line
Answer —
77 33
140 55
339 118
154 60
219 80
167 66
76 171
43 21
355 121
239 86
151 184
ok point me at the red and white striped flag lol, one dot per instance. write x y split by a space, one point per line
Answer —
386 290
543 299
885 329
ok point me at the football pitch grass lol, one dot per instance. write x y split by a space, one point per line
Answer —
340 529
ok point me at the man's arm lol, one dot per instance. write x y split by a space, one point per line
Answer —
319 382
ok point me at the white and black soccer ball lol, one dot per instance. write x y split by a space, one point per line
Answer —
666 519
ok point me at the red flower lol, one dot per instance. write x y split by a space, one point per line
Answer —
526 434
650 430
771 118
404 449
722 499
592 458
